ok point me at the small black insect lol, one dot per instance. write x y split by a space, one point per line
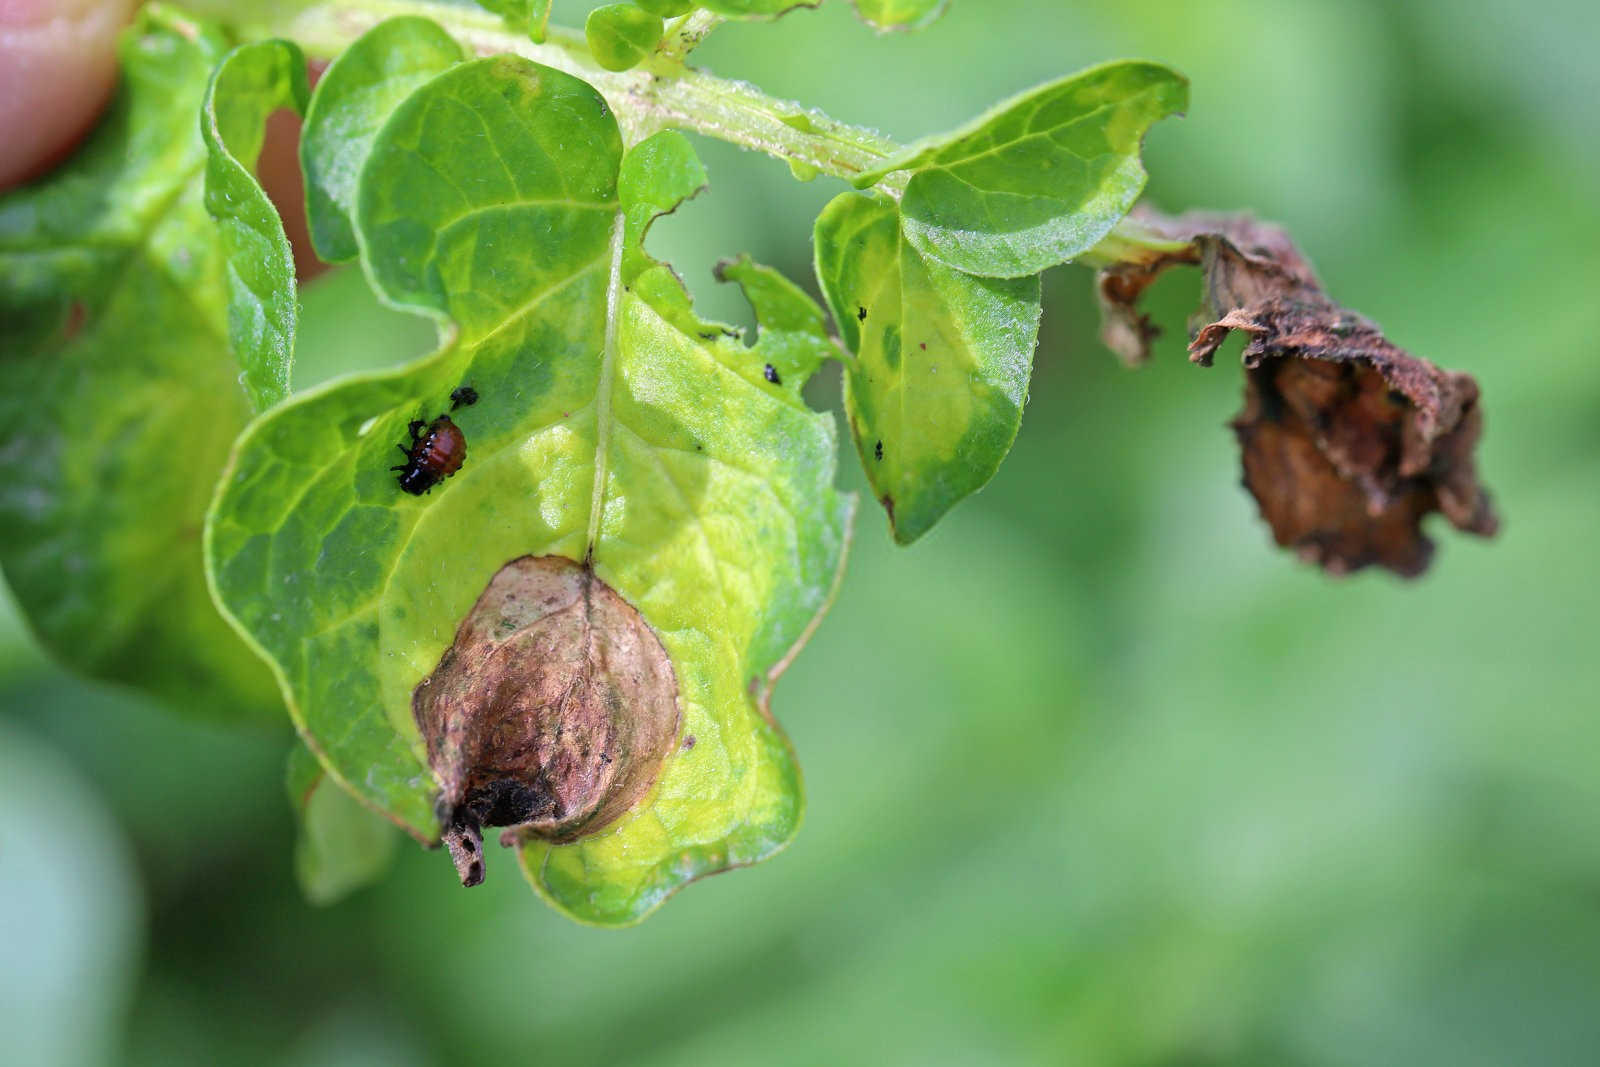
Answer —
437 450
861 313
466 394
877 450
770 373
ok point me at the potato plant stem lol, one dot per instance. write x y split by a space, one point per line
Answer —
662 93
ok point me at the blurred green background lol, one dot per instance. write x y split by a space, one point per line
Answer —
1096 775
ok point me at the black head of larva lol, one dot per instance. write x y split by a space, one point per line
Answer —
437 450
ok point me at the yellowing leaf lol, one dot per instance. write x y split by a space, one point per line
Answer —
662 460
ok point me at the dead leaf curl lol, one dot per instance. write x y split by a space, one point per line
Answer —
1348 441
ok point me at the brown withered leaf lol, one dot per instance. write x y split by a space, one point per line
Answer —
551 712
1348 442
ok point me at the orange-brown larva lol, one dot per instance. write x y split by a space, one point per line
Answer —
437 451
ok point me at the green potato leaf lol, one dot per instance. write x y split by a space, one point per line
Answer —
121 399
695 488
356 94
886 15
1041 178
621 35
936 391
341 846
250 83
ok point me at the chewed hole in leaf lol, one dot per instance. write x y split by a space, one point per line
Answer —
550 713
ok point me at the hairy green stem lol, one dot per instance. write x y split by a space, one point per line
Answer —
663 92
685 33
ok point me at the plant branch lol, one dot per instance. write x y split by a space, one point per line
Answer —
685 34
662 93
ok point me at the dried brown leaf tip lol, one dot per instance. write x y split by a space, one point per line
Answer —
1348 442
551 712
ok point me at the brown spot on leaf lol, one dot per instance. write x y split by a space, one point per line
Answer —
551 712
1348 441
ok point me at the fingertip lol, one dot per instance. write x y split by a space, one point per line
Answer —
58 64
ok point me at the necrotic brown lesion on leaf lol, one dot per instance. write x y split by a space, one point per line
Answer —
1348 441
550 713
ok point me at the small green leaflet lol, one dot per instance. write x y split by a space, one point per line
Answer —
621 35
249 84
613 426
121 399
1041 178
936 391
886 15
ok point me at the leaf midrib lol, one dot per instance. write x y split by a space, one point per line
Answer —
602 405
